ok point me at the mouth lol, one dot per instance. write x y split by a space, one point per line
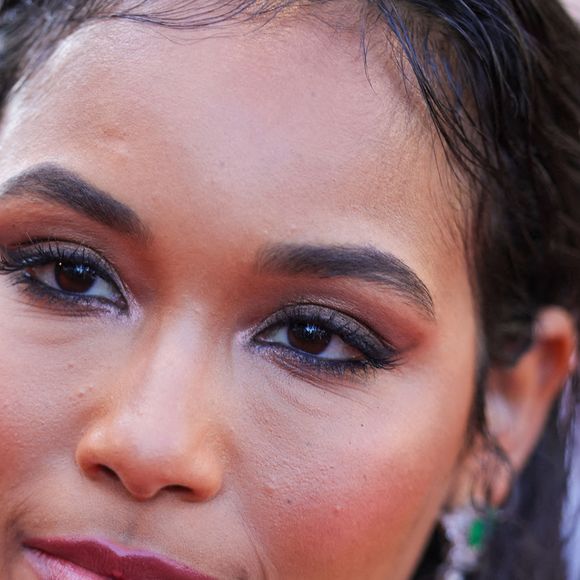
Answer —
71 559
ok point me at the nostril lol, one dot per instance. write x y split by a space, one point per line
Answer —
178 489
108 472
111 474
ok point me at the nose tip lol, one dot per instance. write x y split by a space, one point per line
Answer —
151 465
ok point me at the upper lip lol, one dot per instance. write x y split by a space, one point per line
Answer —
114 561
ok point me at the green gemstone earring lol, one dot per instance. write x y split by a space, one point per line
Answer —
467 531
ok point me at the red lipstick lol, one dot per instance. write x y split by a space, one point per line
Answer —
78 559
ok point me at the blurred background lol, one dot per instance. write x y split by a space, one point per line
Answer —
572 522
574 503
574 7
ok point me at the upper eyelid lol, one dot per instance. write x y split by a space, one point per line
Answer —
31 242
70 251
325 314
288 313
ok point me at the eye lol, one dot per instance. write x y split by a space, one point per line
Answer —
313 339
74 278
324 340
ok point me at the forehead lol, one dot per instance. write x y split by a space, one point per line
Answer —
277 118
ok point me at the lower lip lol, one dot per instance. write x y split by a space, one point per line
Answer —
52 568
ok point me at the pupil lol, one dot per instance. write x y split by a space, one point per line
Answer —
308 337
74 278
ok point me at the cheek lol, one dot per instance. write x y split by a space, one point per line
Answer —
51 373
359 487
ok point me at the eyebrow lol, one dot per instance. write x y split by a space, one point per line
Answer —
55 184
361 262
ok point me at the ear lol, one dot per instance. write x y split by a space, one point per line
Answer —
518 402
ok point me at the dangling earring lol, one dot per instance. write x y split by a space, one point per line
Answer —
467 531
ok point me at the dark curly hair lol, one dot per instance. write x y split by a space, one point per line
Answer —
499 79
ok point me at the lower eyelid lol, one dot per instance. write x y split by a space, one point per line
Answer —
42 291
307 368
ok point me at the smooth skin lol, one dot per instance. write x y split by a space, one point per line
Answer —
180 424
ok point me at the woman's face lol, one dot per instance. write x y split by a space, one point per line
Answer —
237 328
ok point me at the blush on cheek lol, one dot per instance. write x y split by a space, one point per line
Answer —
355 490
358 516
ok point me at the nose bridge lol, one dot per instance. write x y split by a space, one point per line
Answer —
171 365
160 429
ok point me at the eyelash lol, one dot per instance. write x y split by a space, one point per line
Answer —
376 354
17 260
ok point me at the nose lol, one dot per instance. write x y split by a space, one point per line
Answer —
157 432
